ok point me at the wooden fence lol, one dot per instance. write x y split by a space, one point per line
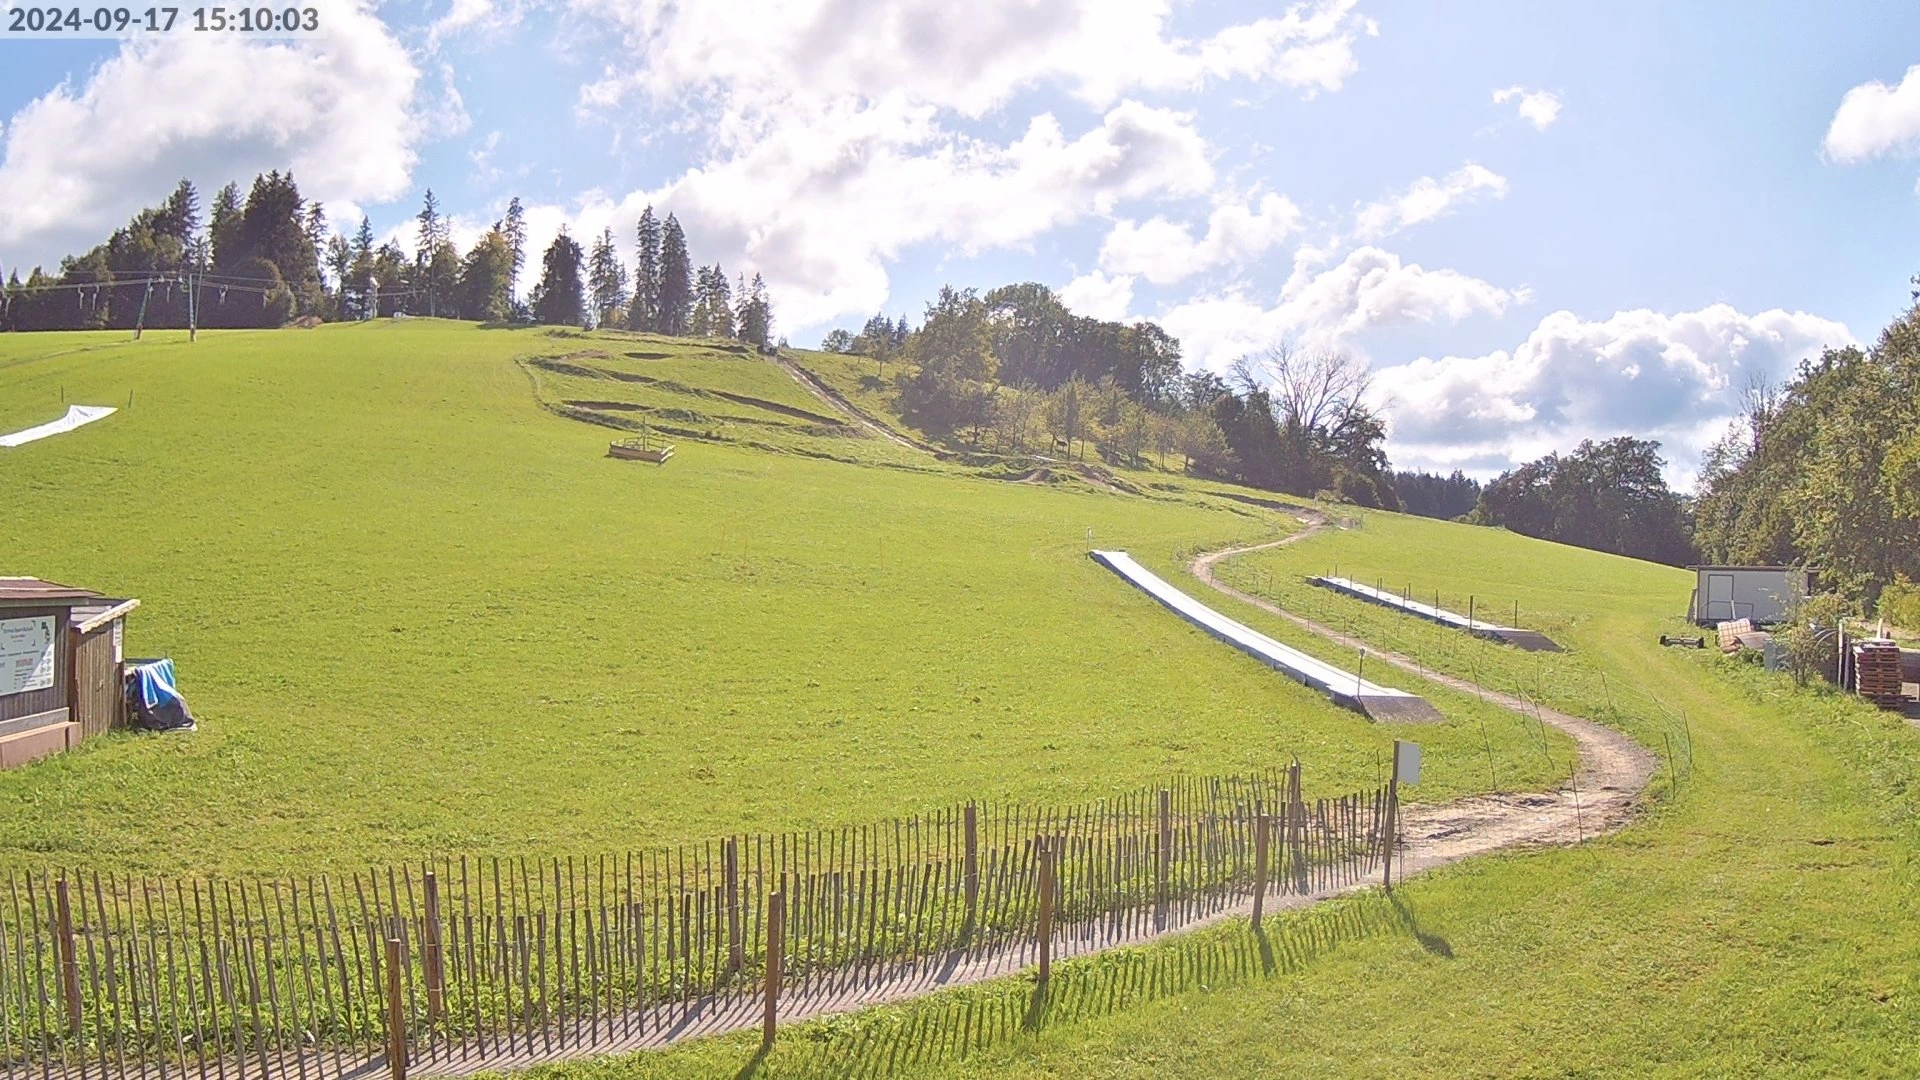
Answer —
514 960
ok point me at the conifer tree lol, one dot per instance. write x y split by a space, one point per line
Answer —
224 228
756 314
514 230
606 282
644 312
559 299
676 280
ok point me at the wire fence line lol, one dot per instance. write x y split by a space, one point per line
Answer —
452 962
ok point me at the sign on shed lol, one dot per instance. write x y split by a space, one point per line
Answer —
26 654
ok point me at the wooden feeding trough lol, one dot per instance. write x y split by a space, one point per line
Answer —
644 448
61 660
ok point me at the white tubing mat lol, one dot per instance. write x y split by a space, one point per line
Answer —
77 415
1345 687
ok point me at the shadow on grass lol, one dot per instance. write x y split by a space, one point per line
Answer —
956 1025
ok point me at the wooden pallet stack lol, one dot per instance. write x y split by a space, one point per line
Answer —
1876 672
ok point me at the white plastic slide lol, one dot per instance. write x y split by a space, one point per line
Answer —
1530 640
1344 687
77 415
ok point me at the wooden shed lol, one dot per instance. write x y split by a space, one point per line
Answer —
61 667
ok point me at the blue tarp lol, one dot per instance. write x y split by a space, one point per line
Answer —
156 684
156 702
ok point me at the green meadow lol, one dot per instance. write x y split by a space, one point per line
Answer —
1754 922
418 611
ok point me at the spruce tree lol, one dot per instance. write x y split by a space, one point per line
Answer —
756 314
559 299
719 305
224 228
429 266
180 217
676 280
514 231
644 313
607 282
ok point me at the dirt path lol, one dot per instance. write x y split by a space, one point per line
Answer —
1613 769
841 405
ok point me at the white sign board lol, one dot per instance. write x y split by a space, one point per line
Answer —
26 654
1406 762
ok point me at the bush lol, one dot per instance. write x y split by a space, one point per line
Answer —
1899 605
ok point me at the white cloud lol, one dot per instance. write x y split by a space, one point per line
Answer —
466 16
819 207
829 122
1163 252
1330 308
1676 378
967 57
1875 119
1426 199
1538 107
337 109
1097 296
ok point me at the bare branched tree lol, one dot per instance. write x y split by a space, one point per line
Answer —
1314 391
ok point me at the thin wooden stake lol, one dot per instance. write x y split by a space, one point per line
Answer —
776 962
1046 909
396 1015
430 944
736 945
1261 835
69 956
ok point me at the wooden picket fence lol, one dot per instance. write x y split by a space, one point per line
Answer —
457 964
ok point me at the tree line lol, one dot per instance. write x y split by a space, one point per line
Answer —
1825 471
269 258
1016 369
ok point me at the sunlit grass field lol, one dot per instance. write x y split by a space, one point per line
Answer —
418 612
1754 922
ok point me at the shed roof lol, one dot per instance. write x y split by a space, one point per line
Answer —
19 590
1767 569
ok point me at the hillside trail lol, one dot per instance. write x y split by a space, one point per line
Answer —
833 400
1611 773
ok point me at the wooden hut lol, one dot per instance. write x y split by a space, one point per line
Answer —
61 667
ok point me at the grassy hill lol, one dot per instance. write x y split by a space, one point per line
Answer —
1754 923
419 611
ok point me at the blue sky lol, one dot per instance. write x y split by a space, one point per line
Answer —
1666 201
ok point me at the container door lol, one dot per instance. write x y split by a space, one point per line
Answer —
1720 598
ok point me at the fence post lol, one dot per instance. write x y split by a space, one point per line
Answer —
1393 806
436 971
1046 909
69 956
972 871
396 1014
1163 853
736 946
1296 837
776 962
1261 835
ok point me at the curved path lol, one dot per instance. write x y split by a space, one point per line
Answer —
1613 769
1612 772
